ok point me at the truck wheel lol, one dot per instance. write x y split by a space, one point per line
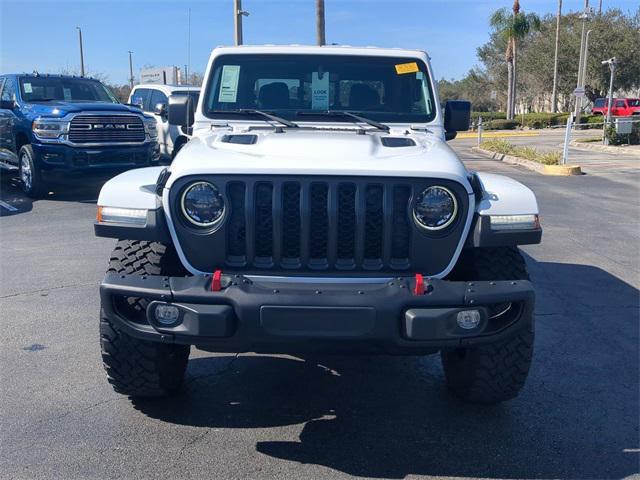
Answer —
135 367
30 176
495 372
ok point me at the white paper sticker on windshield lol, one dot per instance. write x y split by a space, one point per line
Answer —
229 84
27 87
67 93
320 91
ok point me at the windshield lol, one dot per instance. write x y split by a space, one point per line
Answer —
35 89
634 102
296 86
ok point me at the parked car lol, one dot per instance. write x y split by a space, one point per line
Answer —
52 125
317 208
622 107
154 100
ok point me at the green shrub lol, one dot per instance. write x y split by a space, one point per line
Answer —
500 124
615 139
498 145
488 116
528 153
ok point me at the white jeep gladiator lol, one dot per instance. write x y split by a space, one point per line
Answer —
318 208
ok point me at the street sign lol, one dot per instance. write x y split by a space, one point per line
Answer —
579 92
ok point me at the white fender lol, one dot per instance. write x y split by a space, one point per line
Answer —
132 189
505 196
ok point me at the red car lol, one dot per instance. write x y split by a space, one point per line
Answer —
622 107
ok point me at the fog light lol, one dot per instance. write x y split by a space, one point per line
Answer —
167 314
468 319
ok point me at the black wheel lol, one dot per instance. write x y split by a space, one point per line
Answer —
136 367
30 175
495 372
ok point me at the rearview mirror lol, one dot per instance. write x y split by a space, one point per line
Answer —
457 117
7 104
160 109
181 110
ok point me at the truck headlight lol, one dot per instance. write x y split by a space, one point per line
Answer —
435 208
151 127
202 204
49 128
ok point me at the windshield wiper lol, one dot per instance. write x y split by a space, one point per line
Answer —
352 116
44 100
250 111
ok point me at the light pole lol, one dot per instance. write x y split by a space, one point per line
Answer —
554 93
612 62
130 70
586 58
238 13
320 31
81 52
586 15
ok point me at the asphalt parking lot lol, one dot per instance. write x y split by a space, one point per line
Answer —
252 416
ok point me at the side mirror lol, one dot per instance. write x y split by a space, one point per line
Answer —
7 104
181 110
160 109
457 117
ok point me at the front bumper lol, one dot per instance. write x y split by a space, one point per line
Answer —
68 159
271 315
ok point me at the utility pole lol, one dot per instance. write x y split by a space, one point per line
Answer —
238 13
612 67
81 52
600 8
320 30
585 16
554 93
188 65
130 70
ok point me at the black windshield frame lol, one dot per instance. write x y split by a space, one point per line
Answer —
210 107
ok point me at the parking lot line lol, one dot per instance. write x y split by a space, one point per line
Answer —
11 208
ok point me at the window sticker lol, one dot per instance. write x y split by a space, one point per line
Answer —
66 92
229 84
320 91
27 88
402 68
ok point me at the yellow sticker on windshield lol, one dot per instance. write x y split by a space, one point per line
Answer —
403 68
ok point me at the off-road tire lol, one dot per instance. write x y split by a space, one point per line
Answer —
135 367
35 187
495 372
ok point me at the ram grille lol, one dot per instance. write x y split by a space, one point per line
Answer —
106 129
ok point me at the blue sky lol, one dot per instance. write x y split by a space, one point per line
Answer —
41 34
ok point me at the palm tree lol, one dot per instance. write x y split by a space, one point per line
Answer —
513 27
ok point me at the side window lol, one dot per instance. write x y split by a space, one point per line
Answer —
157 97
8 90
140 98
620 103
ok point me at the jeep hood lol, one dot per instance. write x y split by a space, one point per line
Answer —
61 108
319 152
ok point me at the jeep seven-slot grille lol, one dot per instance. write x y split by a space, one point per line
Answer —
318 225
106 129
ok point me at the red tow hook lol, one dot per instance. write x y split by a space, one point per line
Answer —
216 281
419 289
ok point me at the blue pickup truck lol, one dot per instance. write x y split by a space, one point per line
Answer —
54 126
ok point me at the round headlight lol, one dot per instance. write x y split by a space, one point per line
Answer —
202 204
435 208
